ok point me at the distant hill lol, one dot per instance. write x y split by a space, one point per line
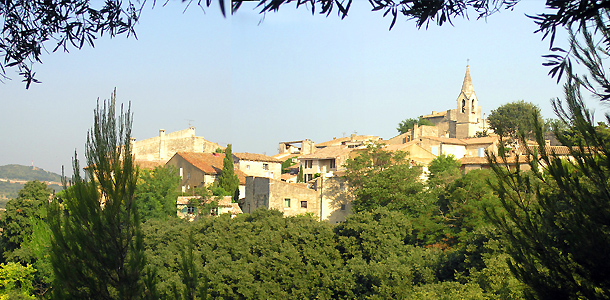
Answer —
13 177
27 173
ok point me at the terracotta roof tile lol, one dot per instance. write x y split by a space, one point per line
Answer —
256 157
209 163
483 160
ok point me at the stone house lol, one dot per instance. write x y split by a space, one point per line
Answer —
325 160
326 198
201 169
259 165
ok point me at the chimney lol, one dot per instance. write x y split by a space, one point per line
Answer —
162 144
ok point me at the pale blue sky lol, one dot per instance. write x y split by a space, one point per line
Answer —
254 82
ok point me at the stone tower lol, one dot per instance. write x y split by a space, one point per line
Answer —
468 113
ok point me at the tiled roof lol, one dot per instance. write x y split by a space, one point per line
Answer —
256 157
209 163
481 140
559 150
328 152
284 156
452 141
483 160
287 176
338 141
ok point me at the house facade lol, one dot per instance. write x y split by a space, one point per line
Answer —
258 165
326 198
199 170
325 160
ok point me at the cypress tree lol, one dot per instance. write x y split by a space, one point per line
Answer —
97 248
228 180
300 175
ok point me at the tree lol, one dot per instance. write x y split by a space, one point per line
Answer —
97 248
228 180
382 178
557 220
512 118
156 193
16 281
300 175
443 169
16 222
408 124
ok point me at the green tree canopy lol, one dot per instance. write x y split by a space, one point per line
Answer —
16 222
382 178
511 119
443 169
408 124
156 192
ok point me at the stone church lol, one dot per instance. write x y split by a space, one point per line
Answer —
461 122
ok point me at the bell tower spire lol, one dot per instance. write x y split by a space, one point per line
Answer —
467 87
468 112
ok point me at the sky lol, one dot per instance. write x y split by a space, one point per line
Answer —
255 80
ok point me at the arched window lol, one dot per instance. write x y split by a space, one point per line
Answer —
463 105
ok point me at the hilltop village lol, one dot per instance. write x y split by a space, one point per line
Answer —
323 192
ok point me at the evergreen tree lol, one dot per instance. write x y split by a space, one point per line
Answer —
556 221
228 180
97 248
300 175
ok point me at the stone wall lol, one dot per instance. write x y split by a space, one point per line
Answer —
164 146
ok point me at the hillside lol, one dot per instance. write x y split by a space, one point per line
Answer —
27 173
13 177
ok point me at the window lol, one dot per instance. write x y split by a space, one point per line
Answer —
183 188
332 164
303 204
308 177
463 106
287 202
308 164
342 206
181 172
190 210
265 166
188 176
